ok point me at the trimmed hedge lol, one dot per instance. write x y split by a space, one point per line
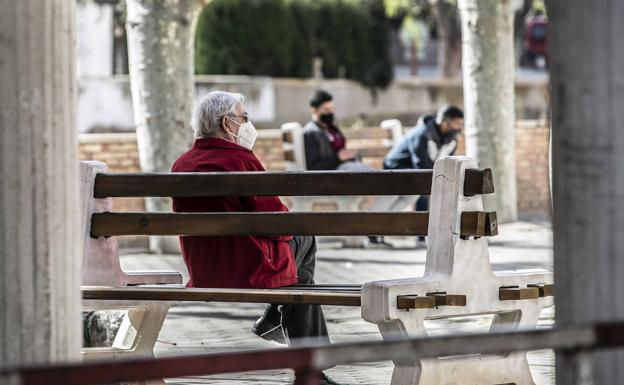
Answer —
281 37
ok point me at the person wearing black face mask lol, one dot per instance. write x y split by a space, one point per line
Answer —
324 142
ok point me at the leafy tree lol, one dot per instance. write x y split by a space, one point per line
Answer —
282 38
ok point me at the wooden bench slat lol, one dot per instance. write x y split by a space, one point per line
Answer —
371 152
277 296
478 224
261 224
415 302
478 181
545 290
309 183
367 133
515 293
443 299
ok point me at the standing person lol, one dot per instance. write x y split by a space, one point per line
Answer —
224 139
431 138
325 144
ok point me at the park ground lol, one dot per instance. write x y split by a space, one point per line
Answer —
198 328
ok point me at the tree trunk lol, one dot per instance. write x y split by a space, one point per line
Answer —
40 254
449 38
586 61
488 67
160 50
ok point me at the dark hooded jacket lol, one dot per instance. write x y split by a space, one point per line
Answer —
421 146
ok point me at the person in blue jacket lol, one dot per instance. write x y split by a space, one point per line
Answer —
433 137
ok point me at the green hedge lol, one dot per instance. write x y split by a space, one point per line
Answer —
281 37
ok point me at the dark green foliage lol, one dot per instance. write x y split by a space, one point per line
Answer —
281 37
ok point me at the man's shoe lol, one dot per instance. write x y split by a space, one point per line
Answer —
379 243
266 329
324 380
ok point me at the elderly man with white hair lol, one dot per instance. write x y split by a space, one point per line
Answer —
224 141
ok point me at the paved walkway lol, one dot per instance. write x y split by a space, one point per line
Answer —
193 328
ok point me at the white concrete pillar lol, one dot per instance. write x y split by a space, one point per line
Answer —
586 60
39 201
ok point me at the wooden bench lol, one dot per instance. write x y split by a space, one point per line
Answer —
372 143
458 279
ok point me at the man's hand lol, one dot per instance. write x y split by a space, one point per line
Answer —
346 154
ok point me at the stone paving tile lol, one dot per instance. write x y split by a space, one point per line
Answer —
196 328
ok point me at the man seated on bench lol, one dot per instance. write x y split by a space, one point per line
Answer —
224 139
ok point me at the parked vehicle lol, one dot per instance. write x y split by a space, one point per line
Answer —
534 47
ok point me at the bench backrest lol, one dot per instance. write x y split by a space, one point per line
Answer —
371 142
101 225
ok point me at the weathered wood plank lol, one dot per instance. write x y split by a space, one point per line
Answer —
516 293
472 224
262 224
478 181
289 155
443 299
545 290
415 302
478 224
368 133
309 183
491 224
372 152
277 296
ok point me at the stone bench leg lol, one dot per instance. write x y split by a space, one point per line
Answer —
406 372
510 368
138 331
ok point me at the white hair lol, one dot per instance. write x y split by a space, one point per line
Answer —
211 109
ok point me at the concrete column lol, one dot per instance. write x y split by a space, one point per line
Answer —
586 60
39 201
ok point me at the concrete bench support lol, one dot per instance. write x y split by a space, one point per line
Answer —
460 267
139 330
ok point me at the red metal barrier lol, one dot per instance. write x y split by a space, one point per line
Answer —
308 360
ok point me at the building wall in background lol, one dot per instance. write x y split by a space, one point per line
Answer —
104 102
119 151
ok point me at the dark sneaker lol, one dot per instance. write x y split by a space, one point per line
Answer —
324 380
379 243
268 330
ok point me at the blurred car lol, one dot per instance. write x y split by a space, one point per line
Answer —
534 51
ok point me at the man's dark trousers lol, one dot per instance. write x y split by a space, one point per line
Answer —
301 320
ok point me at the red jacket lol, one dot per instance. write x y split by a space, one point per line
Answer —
237 261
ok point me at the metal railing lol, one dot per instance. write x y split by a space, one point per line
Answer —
307 360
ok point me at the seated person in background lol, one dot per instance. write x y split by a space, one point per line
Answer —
325 150
324 142
431 138
224 138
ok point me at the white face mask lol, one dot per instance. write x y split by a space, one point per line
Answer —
247 134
